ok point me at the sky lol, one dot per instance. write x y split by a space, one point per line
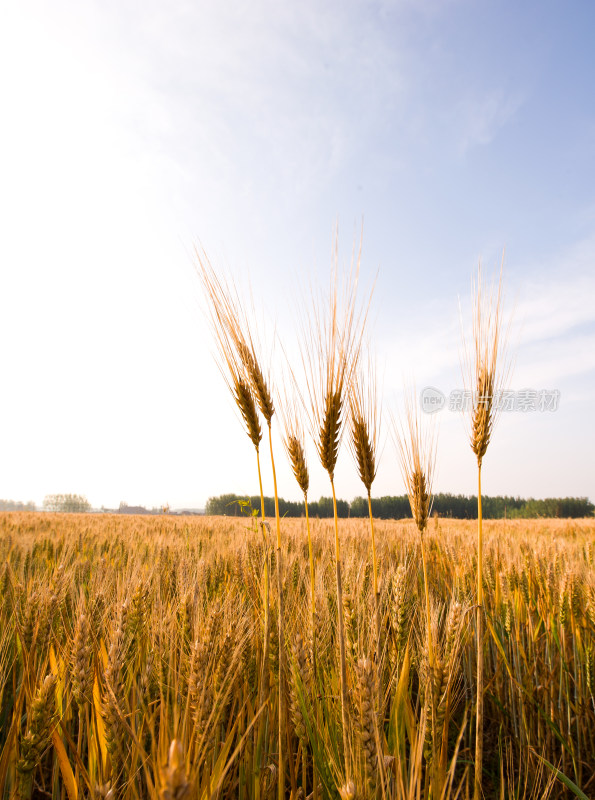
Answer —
444 132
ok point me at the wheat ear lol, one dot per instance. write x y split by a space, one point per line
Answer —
174 782
41 718
367 722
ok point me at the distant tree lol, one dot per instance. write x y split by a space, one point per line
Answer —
224 505
359 508
323 508
17 505
75 503
562 507
234 505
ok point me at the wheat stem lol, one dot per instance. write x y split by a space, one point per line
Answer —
342 659
375 587
313 623
281 780
427 595
479 708
487 371
312 584
266 603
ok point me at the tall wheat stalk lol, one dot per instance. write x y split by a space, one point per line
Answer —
486 372
331 348
239 351
294 442
417 449
364 429
245 348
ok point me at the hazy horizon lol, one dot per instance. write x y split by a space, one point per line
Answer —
197 507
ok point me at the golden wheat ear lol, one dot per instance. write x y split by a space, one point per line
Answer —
292 434
224 311
416 444
486 364
332 335
364 417
297 458
174 782
230 320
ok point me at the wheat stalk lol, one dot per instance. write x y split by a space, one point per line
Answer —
115 733
294 443
293 440
331 345
248 380
417 449
485 371
364 428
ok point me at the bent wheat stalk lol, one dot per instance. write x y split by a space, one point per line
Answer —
249 387
245 347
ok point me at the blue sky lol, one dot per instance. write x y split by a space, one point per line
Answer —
132 131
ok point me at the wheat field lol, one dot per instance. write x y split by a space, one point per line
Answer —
131 659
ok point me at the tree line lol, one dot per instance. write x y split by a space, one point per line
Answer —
235 505
456 506
17 505
52 502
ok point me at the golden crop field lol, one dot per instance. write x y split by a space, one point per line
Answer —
134 662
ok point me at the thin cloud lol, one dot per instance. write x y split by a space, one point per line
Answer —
561 299
552 329
482 118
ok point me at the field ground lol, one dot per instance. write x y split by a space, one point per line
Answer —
120 635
